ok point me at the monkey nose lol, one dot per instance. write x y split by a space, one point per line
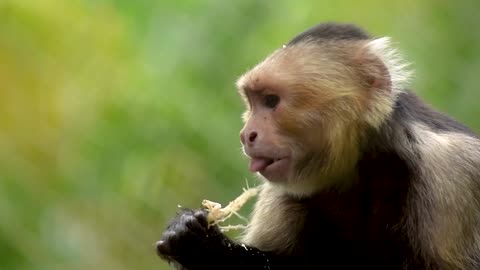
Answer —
252 136
248 137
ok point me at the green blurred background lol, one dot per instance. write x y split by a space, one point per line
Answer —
113 112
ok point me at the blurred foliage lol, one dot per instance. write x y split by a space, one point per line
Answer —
112 112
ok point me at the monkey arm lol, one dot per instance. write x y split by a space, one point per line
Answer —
190 244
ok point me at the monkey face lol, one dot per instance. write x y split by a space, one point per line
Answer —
269 155
284 131
284 137
307 106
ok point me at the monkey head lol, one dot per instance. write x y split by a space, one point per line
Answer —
309 104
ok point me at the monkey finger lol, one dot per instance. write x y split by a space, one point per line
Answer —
192 224
201 216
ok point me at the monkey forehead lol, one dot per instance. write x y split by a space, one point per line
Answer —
307 62
282 67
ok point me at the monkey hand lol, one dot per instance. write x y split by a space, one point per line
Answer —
189 241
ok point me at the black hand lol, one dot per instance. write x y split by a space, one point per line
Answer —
189 241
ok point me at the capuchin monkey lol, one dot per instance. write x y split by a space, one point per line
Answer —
359 173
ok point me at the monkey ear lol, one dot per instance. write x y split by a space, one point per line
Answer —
374 73
381 66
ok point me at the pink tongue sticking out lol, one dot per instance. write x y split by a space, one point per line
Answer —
258 164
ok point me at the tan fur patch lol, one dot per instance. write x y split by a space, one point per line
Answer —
446 201
276 221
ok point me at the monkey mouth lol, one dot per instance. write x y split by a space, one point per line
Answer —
267 166
259 163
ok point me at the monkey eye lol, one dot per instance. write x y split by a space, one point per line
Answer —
271 101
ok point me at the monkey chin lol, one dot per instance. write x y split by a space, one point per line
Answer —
278 171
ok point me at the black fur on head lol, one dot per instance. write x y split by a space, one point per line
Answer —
335 31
